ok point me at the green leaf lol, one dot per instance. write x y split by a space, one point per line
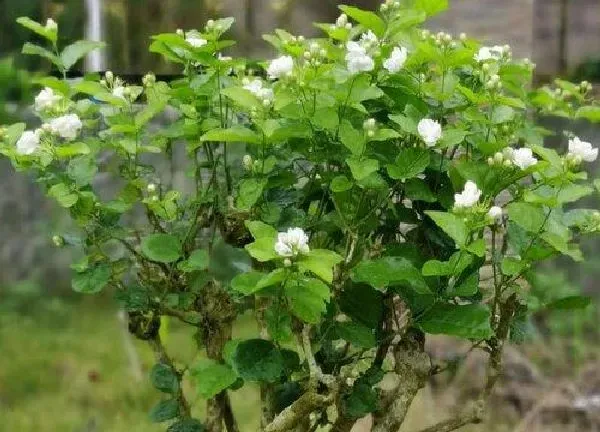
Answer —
340 184
466 321
458 262
211 378
164 410
233 134
260 229
258 360
452 137
452 225
570 303
511 266
162 248
274 278
241 96
410 162
186 425
389 271
280 130
263 249
13 132
367 19
361 401
478 247
528 216
467 287
357 334
250 190
36 27
308 298
32 49
591 113
352 139
407 124
431 7
279 323
164 378
502 114
198 261
362 168
320 262
77 50
61 193
82 170
246 283
93 280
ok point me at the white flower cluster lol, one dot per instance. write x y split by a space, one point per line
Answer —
396 60
357 59
496 52
581 151
292 243
522 158
389 5
370 126
195 39
280 67
46 99
315 54
468 197
257 88
67 126
51 25
342 22
495 213
29 142
430 131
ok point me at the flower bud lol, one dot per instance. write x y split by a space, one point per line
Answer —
210 24
247 162
490 161
498 157
485 67
300 38
287 262
51 25
151 188
58 241
109 76
349 26
266 102
180 32
463 37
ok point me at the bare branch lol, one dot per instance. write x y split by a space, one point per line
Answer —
287 419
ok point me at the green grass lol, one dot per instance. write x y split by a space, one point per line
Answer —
66 369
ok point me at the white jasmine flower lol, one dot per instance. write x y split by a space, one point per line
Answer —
292 243
257 89
357 59
468 197
51 25
195 40
342 20
368 39
430 131
67 126
119 92
495 212
523 158
28 142
280 67
583 150
489 53
396 60
46 99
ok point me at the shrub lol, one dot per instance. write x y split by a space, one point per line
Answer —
385 172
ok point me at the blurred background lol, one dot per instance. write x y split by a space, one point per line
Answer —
67 363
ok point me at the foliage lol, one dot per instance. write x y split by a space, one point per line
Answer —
386 172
